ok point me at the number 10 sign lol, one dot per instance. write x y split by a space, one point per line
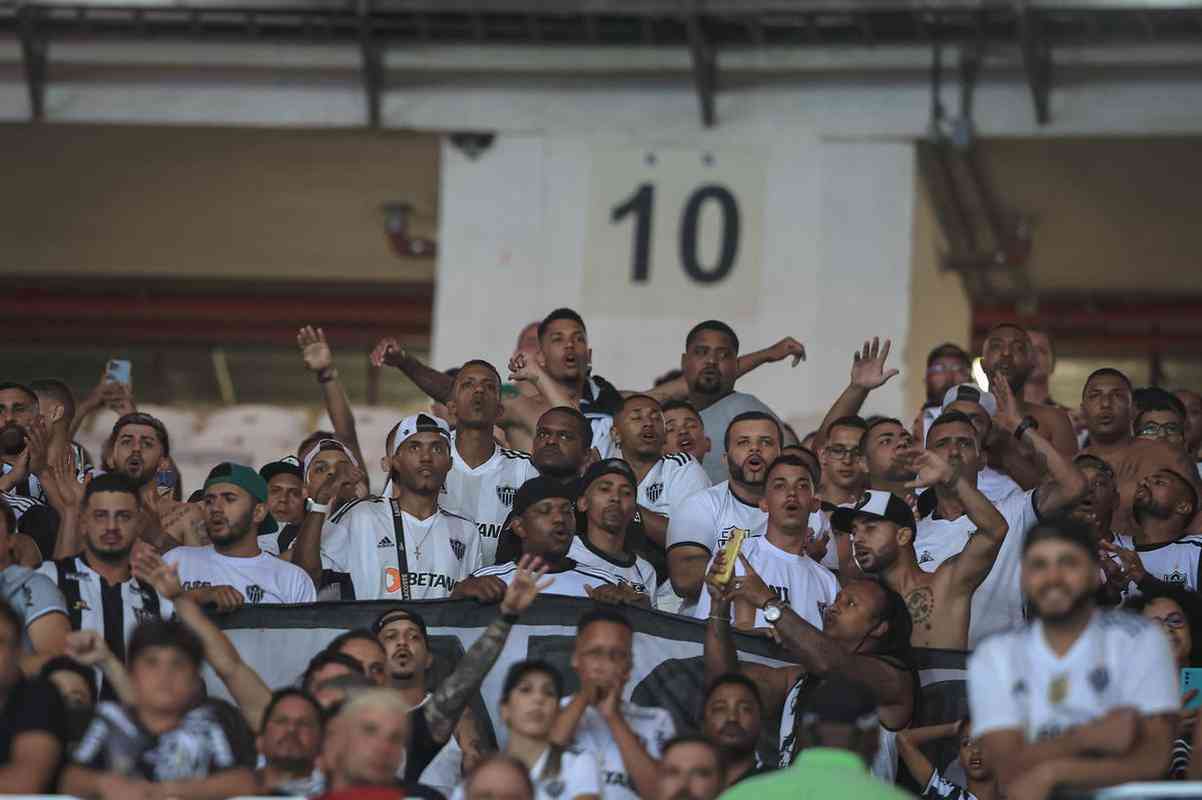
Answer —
674 232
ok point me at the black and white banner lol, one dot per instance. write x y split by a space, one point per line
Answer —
278 641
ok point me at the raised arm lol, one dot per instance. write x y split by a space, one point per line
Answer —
911 740
437 385
453 694
969 567
65 494
868 372
1062 483
306 551
320 361
245 685
89 648
678 388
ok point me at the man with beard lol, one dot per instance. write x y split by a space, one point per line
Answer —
711 365
889 456
20 484
1165 502
483 476
98 585
732 719
405 640
289 743
684 430
233 570
403 546
692 768
1106 405
607 503
1080 698
1095 510
703 523
947 365
1037 389
865 637
544 523
1192 401
779 556
56 403
1009 354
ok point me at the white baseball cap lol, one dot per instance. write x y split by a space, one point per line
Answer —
419 423
970 392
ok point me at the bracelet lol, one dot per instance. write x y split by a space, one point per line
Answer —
326 375
718 618
1028 423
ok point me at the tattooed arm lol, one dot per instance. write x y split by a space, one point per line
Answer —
447 704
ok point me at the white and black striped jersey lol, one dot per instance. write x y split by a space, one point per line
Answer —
1176 562
940 788
570 582
93 605
485 493
1017 682
439 551
670 481
634 571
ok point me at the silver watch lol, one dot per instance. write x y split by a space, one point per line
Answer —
772 612
312 505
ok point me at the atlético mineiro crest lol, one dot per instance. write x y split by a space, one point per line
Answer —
459 548
654 491
505 495
254 594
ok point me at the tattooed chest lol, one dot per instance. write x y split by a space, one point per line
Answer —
921 604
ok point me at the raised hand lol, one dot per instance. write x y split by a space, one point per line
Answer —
387 351
1007 417
314 348
524 368
1133 566
88 647
37 444
526 584
933 470
327 489
149 567
62 483
749 587
785 348
868 365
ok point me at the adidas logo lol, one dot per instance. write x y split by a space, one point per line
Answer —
385 542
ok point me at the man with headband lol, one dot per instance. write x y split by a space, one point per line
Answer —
233 570
544 521
403 546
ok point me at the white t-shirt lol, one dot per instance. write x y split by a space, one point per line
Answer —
1175 562
635 572
884 764
485 493
1015 681
604 441
997 486
653 726
997 604
803 584
261 579
670 481
570 582
578 776
707 518
440 551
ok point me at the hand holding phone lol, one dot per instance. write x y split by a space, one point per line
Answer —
119 370
730 554
1191 678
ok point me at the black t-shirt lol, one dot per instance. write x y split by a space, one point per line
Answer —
32 706
422 747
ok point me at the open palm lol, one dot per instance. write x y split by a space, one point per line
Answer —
868 364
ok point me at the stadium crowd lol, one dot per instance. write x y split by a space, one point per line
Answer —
994 599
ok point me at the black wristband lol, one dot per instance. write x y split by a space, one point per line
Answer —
1028 422
511 619
326 375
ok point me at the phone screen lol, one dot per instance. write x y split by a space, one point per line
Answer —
119 370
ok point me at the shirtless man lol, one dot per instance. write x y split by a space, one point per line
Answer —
1107 408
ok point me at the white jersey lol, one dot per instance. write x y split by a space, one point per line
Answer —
1016 682
439 551
570 583
634 571
884 764
997 604
670 481
799 581
653 726
260 579
579 775
709 517
604 440
485 493
996 486
1174 562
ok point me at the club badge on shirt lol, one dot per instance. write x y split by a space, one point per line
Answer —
1099 679
254 594
505 495
726 533
654 491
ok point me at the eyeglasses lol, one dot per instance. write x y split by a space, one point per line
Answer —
1158 430
841 453
939 369
1173 622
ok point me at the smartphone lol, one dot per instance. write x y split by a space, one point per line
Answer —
165 480
119 370
730 554
1191 678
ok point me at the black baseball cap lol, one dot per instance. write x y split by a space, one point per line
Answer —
288 465
875 505
396 615
844 701
541 488
608 466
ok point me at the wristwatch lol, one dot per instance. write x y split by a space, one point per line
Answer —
312 505
1028 422
772 612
